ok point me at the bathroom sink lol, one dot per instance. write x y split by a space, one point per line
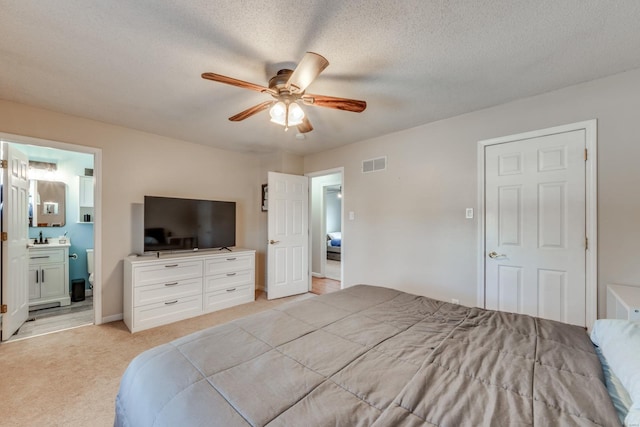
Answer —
53 242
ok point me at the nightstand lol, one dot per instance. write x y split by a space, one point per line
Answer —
623 302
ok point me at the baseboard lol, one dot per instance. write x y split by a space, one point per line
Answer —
316 275
113 318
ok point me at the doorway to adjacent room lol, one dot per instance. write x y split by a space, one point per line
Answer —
326 218
59 285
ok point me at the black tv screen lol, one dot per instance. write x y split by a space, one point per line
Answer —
173 224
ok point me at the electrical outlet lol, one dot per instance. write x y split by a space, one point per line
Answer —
455 301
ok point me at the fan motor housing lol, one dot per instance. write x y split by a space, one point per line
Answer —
279 81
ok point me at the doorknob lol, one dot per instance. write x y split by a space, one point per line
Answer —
273 242
495 254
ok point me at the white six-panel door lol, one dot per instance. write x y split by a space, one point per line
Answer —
288 234
535 238
15 221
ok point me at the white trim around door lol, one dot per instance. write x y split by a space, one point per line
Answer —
316 174
97 222
590 128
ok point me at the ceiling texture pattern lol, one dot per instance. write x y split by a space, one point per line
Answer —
138 63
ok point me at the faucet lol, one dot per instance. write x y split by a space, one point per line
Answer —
40 237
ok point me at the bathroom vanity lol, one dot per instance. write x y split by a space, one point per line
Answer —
49 273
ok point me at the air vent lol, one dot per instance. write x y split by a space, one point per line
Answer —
374 165
88 172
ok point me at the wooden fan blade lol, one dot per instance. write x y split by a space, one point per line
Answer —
251 111
233 82
332 102
307 70
305 126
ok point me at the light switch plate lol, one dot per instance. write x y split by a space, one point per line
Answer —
469 213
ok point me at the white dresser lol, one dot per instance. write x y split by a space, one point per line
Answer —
623 302
49 274
162 290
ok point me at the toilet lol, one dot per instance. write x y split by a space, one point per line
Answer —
90 266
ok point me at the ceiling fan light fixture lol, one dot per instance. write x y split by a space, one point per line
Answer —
288 89
286 114
295 114
278 113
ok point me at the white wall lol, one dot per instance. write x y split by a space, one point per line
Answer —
333 211
136 163
410 231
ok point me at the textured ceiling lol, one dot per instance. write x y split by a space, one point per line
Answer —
138 63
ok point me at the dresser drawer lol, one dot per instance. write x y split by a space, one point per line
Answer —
224 298
44 256
228 280
228 264
167 272
157 314
167 291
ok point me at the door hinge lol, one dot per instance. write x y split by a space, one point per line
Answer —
5 236
4 164
3 308
586 243
586 154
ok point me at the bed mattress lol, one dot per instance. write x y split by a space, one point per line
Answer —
370 356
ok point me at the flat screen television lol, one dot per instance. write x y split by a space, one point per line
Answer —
173 224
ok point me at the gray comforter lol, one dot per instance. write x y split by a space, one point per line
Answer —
370 356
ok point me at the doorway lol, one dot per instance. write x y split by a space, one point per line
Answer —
327 237
537 223
64 208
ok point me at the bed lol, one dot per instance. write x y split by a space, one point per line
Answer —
334 246
370 356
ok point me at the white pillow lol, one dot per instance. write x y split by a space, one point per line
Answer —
619 341
335 235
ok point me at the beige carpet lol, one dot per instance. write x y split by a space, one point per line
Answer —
71 378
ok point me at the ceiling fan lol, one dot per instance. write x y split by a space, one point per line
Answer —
287 88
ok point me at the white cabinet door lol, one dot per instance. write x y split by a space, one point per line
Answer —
34 282
49 276
85 199
86 191
52 280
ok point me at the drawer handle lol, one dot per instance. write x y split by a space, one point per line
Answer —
170 265
40 257
231 290
231 259
231 274
171 284
171 302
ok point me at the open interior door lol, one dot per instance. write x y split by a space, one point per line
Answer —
288 235
15 228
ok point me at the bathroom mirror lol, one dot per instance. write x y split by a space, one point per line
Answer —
47 203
